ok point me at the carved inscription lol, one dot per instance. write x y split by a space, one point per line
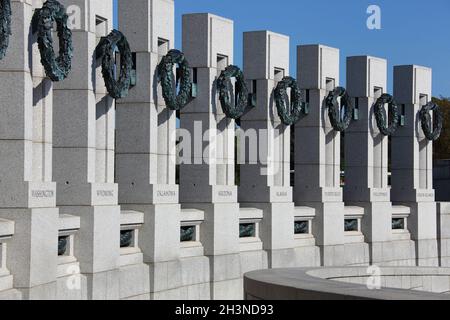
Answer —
42 193
225 193
105 193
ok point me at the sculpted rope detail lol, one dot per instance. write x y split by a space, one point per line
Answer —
380 114
427 122
56 68
168 82
224 86
334 111
106 50
5 26
289 115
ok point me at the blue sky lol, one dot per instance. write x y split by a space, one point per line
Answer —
413 31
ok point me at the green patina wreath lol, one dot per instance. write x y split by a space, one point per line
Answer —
338 121
289 112
106 51
187 233
5 26
380 114
168 82
427 122
62 245
126 238
225 88
56 68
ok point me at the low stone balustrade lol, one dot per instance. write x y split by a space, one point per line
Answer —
6 279
195 276
252 254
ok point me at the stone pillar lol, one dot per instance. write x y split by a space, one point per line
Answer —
443 227
84 151
6 279
412 161
265 174
145 155
207 174
28 195
366 153
317 152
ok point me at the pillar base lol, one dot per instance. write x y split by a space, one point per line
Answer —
32 251
328 230
393 253
135 282
195 276
165 280
427 253
12 294
43 292
103 285
422 224
332 255
281 258
226 281
357 254
72 287
159 241
97 247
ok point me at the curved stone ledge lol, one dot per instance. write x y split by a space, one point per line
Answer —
347 283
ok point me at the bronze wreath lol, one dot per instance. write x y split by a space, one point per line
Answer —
381 117
56 68
224 87
427 122
334 111
289 113
106 50
167 78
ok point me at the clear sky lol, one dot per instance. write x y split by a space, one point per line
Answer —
412 31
